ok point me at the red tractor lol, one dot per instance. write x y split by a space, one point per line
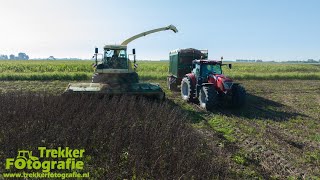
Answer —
208 85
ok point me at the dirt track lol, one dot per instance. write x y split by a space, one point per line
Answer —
277 132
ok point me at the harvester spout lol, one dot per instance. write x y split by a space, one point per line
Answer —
173 28
170 27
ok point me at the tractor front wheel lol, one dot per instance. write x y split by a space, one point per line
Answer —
208 97
187 90
172 83
238 96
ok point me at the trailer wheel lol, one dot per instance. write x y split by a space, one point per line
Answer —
187 90
172 83
208 97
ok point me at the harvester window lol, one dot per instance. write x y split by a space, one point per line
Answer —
109 53
122 54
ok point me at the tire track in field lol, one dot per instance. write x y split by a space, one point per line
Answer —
276 161
272 160
276 152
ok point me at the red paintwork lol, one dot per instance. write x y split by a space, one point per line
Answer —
217 80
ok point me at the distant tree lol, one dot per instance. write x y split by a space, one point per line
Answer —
23 56
3 57
12 57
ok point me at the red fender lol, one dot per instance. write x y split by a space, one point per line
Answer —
192 77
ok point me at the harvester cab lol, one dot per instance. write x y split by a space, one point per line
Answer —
113 57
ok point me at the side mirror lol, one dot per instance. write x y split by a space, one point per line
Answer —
230 66
133 51
96 51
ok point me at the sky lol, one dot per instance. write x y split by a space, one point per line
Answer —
235 29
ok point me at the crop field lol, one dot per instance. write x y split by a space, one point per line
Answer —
149 70
276 135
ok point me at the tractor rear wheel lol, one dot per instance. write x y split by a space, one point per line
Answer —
238 95
208 97
187 90
172 83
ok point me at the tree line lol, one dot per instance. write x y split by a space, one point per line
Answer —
21 56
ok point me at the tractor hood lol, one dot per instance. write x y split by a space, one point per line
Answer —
222 82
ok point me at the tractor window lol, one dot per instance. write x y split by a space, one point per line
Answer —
211 68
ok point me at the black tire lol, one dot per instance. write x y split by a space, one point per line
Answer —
161 96
208 97
238 96
172 83
133 78
187 90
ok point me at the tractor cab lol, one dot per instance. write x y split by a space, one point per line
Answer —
203 68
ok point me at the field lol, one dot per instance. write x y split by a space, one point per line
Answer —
276 135
82 70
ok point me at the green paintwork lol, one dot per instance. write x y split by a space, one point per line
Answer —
170 27
145 89
113 73
180 61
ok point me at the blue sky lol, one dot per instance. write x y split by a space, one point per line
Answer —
235 29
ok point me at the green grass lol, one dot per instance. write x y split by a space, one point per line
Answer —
31 66
253 71
34 76
219 124
151 70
